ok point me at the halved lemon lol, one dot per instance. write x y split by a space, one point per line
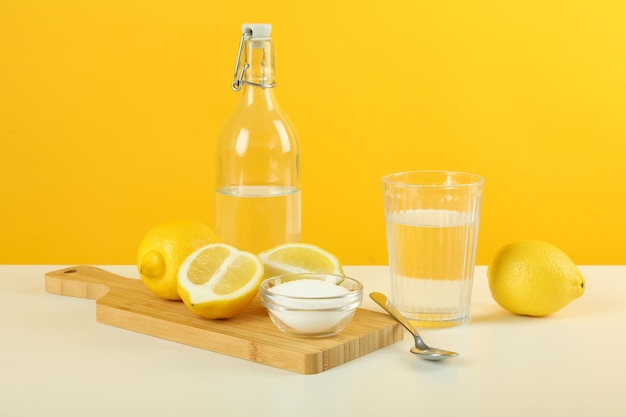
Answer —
294 258
218 281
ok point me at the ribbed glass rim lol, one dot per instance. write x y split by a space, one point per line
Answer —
426 179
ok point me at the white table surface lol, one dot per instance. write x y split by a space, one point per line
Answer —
56 360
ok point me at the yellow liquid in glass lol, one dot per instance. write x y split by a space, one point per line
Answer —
432 258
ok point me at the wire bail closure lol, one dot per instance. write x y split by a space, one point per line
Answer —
238 80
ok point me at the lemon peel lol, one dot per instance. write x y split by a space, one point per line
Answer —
534 278
164 247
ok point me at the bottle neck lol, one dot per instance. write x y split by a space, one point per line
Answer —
258 55
254 98
258 76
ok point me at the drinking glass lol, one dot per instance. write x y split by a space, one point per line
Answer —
432 220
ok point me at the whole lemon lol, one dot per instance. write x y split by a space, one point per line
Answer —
164 248
534 278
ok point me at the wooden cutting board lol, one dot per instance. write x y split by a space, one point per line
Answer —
127 303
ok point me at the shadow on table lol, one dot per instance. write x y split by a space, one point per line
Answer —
493 313
586 307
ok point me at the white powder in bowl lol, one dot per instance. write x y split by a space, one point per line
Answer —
309 288
311 295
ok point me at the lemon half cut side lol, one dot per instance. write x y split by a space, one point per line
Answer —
296 258
218 281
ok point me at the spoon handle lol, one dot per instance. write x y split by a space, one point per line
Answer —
383 301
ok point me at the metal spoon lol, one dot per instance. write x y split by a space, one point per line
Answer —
420 348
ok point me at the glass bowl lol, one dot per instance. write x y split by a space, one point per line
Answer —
311 304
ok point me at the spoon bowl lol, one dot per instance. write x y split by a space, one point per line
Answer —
420 348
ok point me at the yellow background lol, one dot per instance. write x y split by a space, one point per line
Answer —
109 112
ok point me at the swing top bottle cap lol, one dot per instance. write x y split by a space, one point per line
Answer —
259 30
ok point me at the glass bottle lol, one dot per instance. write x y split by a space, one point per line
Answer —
257 194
